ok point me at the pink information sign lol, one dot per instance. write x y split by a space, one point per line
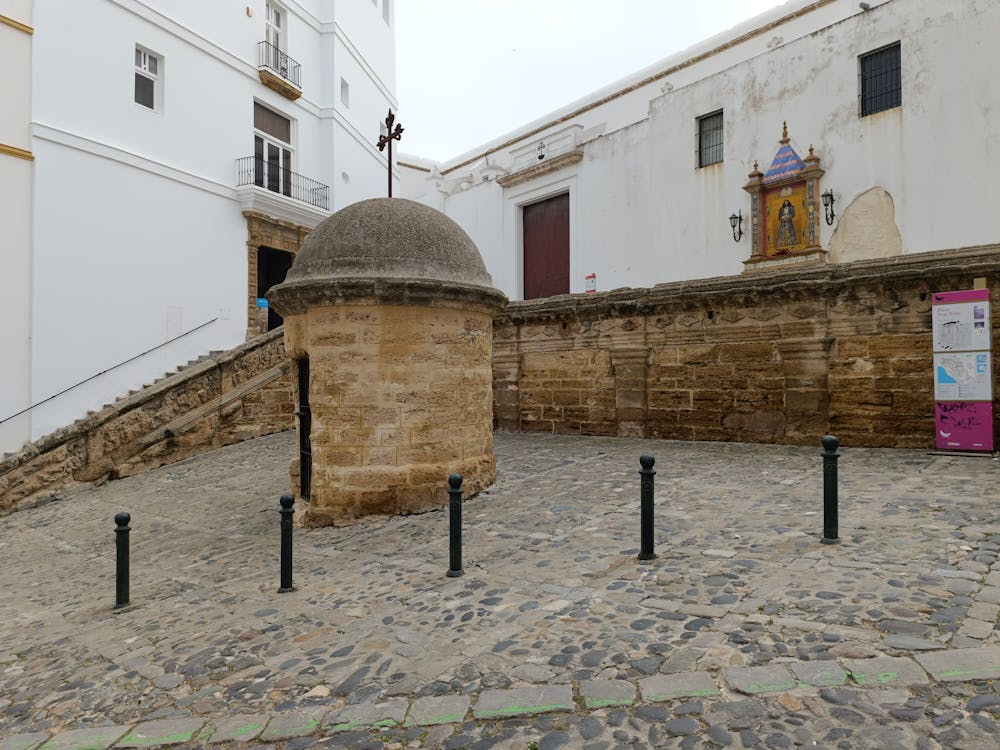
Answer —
963 380
964 425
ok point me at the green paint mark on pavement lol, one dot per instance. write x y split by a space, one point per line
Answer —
765 688
383 723
248 729
882 677
602 702
958 671
169 739
491 712
445 719
346 726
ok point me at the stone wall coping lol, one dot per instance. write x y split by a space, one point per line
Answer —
972 261
82 427
295 297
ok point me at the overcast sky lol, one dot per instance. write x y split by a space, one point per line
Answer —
468 71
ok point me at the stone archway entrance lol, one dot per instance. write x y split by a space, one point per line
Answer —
271 246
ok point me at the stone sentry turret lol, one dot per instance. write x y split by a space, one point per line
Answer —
388 313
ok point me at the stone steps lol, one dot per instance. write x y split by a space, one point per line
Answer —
204 398
180 368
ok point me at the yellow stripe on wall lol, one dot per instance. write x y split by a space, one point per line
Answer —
16 25
20 153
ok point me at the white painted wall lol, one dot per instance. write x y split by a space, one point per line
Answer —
16 176
114 278
642 212
136 232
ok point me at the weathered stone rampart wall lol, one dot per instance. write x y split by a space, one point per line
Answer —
237 395
780 356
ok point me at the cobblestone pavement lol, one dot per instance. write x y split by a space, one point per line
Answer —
744 632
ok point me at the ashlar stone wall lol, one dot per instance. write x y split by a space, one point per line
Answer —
778 356
400 397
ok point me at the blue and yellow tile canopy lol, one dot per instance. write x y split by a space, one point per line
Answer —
786 162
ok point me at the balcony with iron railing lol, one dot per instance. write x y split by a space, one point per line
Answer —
278 71
255 170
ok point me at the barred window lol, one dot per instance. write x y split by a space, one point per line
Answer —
881 85
710 139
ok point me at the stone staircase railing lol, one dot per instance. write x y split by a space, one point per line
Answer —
225 398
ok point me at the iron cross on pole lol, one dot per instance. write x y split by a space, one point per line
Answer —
387 139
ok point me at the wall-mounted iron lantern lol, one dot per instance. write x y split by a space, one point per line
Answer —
828 205
736 223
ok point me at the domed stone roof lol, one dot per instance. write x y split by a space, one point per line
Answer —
385 247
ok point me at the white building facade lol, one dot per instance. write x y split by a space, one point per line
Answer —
16 174
635 185
175 152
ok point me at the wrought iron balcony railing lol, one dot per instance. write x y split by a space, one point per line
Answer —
274 59
272 175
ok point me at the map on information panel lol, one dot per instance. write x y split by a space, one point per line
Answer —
962 376
962 326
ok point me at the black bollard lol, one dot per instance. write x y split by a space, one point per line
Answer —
121 563
287 501
454 526
830 456
646 475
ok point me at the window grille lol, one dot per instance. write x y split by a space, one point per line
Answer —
881 85
710 139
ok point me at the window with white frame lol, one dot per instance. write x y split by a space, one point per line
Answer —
345 93
148 79
274 33
272 149
386 10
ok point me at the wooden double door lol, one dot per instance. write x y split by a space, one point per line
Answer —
546 247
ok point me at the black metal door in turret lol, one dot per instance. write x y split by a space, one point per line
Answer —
305 427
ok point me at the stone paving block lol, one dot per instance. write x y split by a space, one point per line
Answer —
87 739
976 629
241 728
966 574
912 643
292 724
989 594
520 701
884 670
703 610
963 664
773 678
23 741
985 611
819 673
441 709
663 687
667 605
601 693
795 623
161 732
386 714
